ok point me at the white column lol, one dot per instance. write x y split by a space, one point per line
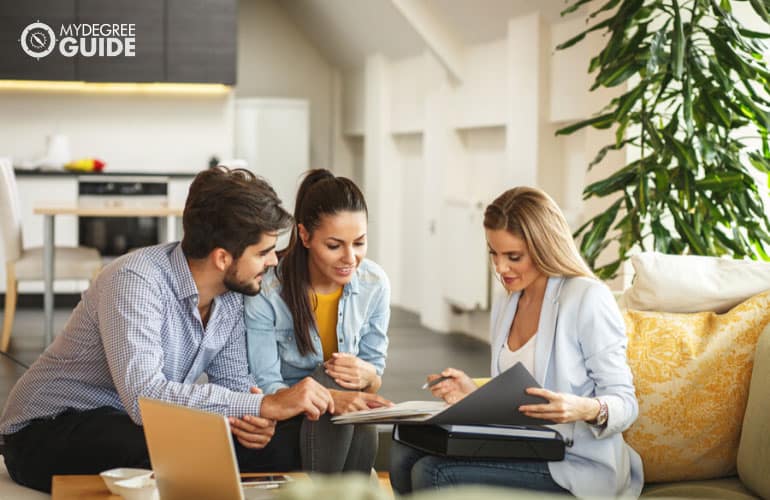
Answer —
523 100
434 311
382 176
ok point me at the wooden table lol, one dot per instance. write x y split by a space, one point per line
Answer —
51 211
91 487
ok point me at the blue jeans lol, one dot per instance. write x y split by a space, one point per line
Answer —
412 470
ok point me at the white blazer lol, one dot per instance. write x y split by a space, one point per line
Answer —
580 349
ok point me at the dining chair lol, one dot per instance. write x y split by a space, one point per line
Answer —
26 264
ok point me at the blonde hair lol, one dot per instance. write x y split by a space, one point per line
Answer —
530 214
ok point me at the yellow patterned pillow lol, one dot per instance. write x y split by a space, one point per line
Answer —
692 373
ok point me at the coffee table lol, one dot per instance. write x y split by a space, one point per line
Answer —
91 487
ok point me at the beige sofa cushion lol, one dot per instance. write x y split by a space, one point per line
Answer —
692 374
691 283
754 452
717 489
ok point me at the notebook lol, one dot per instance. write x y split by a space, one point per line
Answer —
192 454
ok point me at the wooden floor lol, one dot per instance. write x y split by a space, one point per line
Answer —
384 479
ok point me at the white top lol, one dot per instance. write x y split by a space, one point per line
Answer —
525 354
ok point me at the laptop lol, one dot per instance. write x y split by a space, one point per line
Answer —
192 455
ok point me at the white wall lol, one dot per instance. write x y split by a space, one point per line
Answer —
275 59
131 132
428 138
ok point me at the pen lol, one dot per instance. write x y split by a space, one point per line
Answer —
434 382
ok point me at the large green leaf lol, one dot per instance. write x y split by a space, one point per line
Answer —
595 236
572 8
619 180
678 44
760 9
602 121
720 182
572 41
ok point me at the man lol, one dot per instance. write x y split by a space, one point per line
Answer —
150 325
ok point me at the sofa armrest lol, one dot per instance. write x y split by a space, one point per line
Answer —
754 448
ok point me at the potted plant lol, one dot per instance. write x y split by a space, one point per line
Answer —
697 110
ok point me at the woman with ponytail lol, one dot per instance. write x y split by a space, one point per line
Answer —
323 312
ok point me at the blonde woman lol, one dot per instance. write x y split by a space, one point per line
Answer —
564 326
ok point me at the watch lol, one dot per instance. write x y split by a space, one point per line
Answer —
601 418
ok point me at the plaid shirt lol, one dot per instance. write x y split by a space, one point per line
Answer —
137 332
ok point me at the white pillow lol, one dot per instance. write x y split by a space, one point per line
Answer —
691 283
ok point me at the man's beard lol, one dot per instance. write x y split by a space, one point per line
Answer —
234 285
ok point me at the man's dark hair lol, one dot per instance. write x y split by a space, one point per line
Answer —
229 209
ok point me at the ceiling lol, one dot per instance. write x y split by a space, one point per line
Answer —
346 31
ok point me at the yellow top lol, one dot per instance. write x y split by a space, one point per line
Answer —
326 320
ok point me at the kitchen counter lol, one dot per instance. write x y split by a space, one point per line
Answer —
22 172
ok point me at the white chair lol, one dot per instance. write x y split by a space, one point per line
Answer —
72 263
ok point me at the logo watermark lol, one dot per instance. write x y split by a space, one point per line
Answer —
87 40
38 40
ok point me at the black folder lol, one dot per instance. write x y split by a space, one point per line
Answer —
446 441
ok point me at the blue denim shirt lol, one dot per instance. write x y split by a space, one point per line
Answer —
362 325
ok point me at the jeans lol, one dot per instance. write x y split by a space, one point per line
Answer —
331 448
91 441
412 470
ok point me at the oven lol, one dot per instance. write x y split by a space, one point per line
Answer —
114 236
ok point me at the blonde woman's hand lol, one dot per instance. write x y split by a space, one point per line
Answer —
351 372
456 386
561 407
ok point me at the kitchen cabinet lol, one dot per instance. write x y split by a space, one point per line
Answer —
183 41
14 17
201 41
148 65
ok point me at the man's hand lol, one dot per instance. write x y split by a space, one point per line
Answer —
306 396
252 432
346 401
351 372
454 388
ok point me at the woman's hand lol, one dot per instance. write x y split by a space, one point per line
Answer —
351 372
454 388
561 407
347 401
